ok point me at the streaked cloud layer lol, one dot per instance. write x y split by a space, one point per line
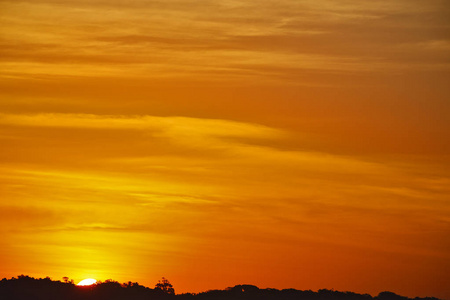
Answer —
284 144
236 40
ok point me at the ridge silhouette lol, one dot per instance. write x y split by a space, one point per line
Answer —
25 287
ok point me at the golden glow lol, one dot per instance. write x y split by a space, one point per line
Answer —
297 144
88 281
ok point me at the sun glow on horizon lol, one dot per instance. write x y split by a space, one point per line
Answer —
86 282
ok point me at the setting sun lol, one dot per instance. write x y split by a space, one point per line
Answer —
88 281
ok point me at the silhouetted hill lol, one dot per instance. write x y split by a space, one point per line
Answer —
26 288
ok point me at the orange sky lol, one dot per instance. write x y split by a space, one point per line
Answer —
287 144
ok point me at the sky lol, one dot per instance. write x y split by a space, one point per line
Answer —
286 144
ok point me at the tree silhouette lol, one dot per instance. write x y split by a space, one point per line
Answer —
26 288
165 286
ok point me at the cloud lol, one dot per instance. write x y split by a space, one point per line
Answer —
228 41
178 128
18 217
235 139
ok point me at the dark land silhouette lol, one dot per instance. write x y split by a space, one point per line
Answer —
27 288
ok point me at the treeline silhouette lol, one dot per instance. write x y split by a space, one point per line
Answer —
25 287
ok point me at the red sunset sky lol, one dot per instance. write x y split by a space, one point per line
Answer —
286 144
